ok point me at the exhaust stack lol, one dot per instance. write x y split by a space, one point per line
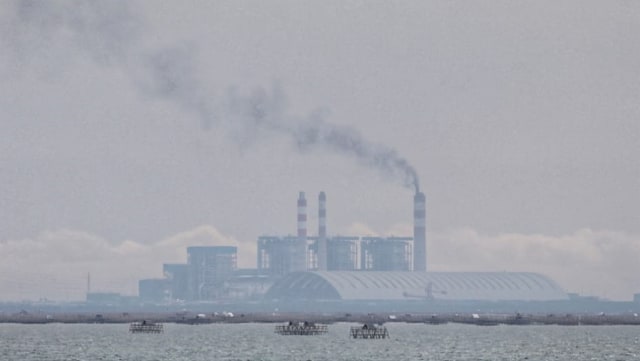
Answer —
302 217
298 257
322 232
419 233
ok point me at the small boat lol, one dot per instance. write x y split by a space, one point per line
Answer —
146 327
301 328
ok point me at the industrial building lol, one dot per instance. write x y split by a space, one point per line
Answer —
153 289
247 285
392 270
281 255
208 269
341 271
403 286
203 278
341 253
177 275
386 253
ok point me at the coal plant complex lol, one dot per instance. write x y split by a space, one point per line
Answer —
357 273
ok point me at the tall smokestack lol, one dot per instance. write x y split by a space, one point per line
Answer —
302 217
299 247
322 215
322 232
419 233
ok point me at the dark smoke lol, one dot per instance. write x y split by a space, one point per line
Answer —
170 74
350 142
110 33
266 111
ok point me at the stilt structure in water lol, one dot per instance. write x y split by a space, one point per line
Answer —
369 331
146 327
301 328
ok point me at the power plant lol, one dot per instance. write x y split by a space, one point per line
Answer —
343 272
211 271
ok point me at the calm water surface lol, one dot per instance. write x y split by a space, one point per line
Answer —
258 342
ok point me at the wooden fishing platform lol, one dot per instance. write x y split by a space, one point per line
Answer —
146 327
301 328
369 332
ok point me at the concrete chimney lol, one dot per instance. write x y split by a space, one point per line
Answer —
299 248
419 233
322 232
302 216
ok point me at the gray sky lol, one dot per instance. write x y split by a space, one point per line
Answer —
131 130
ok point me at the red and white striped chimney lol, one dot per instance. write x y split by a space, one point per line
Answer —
298 249
322 232
302 216
419 233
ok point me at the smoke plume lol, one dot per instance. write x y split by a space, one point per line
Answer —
264 110
111 33
349 141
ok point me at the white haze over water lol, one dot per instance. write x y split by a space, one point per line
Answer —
131 130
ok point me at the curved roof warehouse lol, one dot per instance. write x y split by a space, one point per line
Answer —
396 286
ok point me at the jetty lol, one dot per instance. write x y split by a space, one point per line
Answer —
369 331
146 327
301 328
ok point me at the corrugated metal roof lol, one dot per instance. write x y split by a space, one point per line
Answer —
376 285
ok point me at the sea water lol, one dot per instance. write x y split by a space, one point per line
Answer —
250 341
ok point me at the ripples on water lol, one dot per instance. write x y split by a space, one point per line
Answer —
259 342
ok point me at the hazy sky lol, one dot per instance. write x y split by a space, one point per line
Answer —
130 130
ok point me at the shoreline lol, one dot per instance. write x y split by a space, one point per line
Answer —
378 318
